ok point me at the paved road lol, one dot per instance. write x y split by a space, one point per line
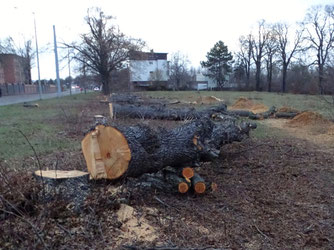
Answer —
7 100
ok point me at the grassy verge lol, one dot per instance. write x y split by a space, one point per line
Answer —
44 126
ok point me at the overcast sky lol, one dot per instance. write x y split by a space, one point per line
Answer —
189 26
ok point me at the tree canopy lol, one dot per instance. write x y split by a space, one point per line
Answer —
104 48
218 63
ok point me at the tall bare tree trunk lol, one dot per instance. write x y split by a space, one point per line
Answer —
284 74
258 76
106 84
321 78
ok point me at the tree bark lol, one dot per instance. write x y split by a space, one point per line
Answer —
284 74
162 112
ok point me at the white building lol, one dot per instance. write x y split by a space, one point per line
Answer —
205 82
148 68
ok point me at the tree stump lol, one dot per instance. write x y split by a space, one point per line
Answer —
71 186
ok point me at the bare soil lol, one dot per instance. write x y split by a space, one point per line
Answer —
273 193
247 104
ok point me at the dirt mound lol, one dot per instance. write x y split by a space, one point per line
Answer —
331 130
208 100
308 118
246 104
287 110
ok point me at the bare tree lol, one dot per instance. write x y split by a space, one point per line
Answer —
319 24
286 50
27 55
271 48
258 51
105 48
245 56
179 73
7 46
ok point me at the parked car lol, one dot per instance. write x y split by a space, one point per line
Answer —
96 89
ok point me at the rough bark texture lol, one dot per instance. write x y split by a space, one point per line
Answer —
162 112
152 150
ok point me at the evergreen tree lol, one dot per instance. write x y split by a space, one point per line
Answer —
218 63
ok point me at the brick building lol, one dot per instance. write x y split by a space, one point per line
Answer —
12 69
12 74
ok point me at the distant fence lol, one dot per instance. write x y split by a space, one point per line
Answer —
20 89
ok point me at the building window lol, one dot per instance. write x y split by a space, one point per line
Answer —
150 62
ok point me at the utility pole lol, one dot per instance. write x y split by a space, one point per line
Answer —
56 58
69 70
37 56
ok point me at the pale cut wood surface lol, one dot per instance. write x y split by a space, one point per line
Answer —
106 152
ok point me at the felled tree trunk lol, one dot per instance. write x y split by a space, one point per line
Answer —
112 152
161 112
287 115
249 114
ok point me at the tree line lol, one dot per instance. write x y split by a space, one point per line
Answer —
272 57
295 55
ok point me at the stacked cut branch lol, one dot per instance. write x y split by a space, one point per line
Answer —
114 152
174 181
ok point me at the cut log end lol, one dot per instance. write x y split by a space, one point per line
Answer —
200 187
106 152
183 187
188 172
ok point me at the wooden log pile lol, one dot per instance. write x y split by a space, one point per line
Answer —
171 180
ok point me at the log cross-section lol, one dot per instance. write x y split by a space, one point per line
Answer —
107 152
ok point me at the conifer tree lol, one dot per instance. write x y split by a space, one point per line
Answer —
218 63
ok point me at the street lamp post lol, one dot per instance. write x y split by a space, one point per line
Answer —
37 56
56 60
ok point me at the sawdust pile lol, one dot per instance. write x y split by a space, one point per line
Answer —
208 100
308 118
246 104
135 227
286 109
330 130
314 122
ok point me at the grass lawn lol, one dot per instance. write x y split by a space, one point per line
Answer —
42 126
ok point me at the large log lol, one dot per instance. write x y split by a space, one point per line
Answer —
249 114
112 152
287 115
161 112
